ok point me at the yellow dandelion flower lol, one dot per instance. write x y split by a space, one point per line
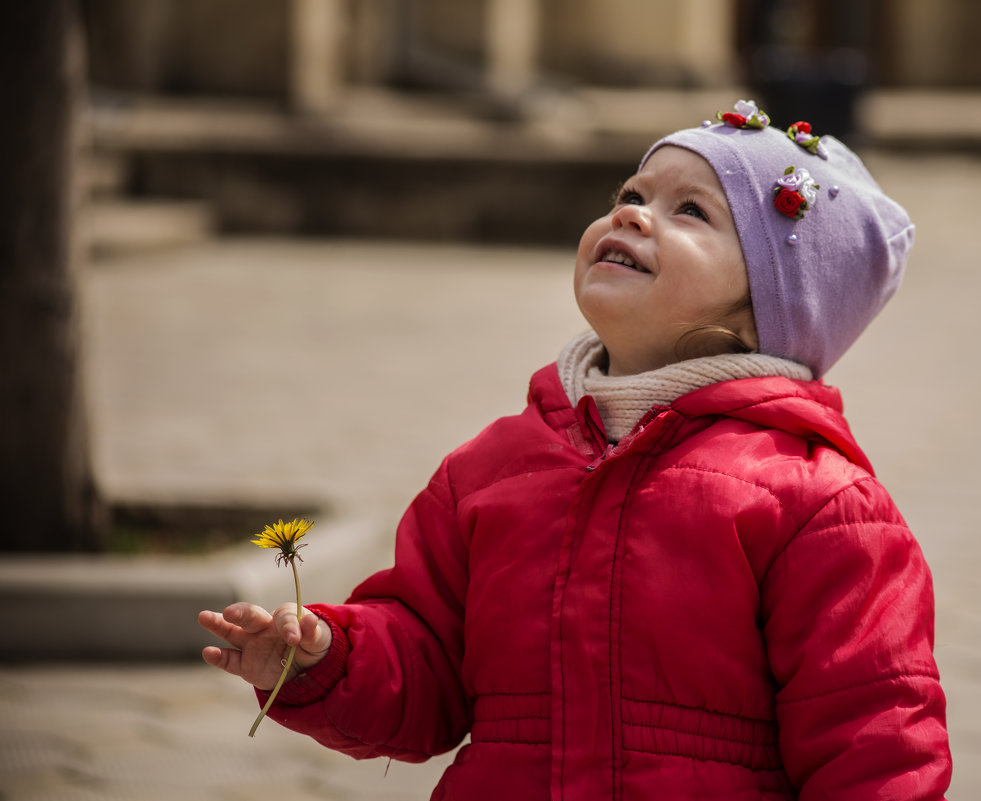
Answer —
284 536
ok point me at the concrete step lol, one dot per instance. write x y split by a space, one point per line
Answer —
437 168
115 225
442 170
143 608
104 173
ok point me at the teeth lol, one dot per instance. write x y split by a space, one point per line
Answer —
619 257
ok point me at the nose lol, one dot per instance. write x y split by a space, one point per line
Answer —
633 215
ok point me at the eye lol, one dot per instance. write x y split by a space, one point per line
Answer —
692 209
628 196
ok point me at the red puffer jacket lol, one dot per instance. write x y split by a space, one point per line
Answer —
726 605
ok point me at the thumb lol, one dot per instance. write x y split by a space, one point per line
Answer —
315 634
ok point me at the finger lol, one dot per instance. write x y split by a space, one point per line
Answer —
287 623
215 623
229 630
228 659
249 617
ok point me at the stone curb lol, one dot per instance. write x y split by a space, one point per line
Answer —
144 608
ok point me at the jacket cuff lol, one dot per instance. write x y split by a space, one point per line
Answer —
319 679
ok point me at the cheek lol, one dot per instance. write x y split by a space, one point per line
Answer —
726 282
734 266
587 245
591 236
702 296
738 279
578 289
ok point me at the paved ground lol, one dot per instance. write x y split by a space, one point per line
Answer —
339 373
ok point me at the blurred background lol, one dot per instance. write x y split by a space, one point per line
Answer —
271 258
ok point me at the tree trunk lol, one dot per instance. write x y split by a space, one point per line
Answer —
48 500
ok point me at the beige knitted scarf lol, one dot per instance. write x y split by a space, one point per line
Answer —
623 400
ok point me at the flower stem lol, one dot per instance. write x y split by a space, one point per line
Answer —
289 658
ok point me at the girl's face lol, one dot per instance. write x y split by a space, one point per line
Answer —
665 260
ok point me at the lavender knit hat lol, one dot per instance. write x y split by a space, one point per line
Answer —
824 247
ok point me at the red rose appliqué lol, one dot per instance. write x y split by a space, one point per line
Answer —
788 202
735 120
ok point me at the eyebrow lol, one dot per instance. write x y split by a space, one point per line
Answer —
690 189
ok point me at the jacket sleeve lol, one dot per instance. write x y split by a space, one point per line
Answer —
390 684
848 621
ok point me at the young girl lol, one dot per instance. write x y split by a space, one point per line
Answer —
674 575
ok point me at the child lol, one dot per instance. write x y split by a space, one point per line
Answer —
675 575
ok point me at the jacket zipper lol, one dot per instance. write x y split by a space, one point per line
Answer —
612 449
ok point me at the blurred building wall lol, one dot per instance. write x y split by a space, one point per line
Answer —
190 46
636 43
246 46
931 44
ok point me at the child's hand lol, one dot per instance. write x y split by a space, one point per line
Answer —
260 641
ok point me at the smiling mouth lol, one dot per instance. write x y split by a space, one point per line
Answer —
625 259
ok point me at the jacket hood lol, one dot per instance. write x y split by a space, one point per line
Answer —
808 409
